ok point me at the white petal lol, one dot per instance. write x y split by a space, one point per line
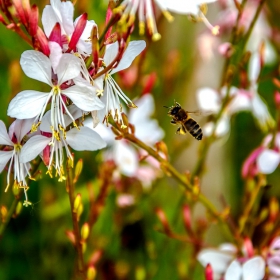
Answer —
36 66
67 13
105 132
83 98
254 269
55 55
234 271
146 107
185 7
110 53
254 67
4 158
126 158
218 260
27 104
84 139
4 137
33 147
134 48
20 128
49 19
268 161
69 67
208 100
222 127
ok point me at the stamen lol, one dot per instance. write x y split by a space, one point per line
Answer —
35 126
214 29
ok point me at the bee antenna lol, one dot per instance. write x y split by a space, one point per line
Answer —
166 107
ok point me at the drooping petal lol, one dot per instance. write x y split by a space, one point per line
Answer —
20 128
234 271
208 100
126 158
4 137
27 104
36 66
268 161
110 53
218 260
84 139
146 107
69 67
55 55
105 132
4 158
134 48
254 269
33 147
83 98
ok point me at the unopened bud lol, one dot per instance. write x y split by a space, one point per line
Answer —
208 272
16 190
140 273
273 209
263 215
18 208
71 236
77 202
91 273
187 217
84 246
277 98
162 148
248 246
4 213
163 219
85 231
78 170
80 211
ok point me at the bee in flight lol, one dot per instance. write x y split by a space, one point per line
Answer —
181 117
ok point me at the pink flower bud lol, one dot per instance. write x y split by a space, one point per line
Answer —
208 272
33 21
79 29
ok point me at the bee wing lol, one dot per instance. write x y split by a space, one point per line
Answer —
200 113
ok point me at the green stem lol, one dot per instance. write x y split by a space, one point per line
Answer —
183 181
76 230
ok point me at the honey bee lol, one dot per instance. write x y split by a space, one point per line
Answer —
181 117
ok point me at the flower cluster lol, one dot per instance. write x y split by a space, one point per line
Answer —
50 123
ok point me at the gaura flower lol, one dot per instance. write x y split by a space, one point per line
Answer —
252 269
32 104
54 142
62 12
125 156
273 259
112 92
146 14
14 142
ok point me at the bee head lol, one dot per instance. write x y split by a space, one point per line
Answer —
173 110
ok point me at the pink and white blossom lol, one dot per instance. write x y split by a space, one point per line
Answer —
14 144
32 104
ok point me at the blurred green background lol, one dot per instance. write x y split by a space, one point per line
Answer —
35 246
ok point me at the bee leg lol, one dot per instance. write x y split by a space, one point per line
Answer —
181 130
173 121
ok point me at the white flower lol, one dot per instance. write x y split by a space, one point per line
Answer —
14 143
62 12
29 103
219 259
81 139
146 12
252 269
126 156
112 92
269 158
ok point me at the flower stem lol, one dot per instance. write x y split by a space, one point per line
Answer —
170 170
76 230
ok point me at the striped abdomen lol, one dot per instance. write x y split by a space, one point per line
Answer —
193 128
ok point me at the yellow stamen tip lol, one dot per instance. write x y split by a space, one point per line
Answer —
156 37
215 30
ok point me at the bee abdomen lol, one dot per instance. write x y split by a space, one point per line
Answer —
194 129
